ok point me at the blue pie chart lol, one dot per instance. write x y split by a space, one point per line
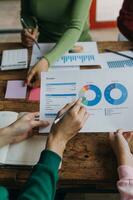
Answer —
116 101
90 102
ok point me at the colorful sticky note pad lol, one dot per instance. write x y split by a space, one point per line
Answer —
34 94
15 90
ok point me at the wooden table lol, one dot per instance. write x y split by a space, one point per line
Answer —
88 162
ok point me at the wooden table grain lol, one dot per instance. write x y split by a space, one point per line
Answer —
88 161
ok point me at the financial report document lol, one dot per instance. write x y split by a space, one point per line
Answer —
107 95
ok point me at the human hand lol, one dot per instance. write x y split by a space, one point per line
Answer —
22 128
34 75
28 37
67 127
76 49
119 142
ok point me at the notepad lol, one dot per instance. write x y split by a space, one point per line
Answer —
15 90
24 153
14 59
34 94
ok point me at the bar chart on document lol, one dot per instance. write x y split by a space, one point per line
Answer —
114 61
71 59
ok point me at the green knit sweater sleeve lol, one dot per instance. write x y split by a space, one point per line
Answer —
73 31
3 194
26 14
42 182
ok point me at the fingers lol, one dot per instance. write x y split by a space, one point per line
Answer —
85 117
40 123
30 77
35 32
119 136
27 42
121 141
124 135
33 79
30 116
128 136
31 120
77 106
28 36
35 115
35 120
83 114
81 117
76 49
82 111
35 84
65 108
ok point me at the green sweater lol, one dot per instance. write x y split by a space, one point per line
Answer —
61 21
42 182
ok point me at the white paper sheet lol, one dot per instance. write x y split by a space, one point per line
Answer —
107 95
6 118
14 59
70 61
27 152
114 61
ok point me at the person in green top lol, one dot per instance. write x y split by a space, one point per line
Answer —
61 21
41 185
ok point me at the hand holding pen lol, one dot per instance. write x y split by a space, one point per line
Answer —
67 127
70 120
74 116
64 111
29 36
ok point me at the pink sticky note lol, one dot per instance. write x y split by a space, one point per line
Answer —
15 90
34 94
